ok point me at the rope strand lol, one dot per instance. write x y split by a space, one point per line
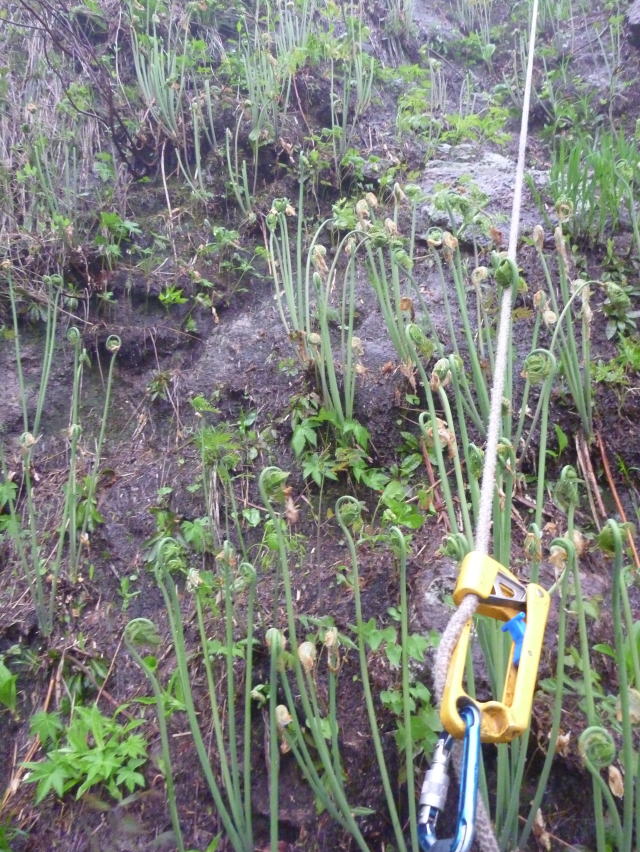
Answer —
484 832
504 329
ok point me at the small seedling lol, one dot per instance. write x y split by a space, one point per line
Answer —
127 593
8 680
172 295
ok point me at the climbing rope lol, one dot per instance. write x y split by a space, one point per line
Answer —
469 604
504 329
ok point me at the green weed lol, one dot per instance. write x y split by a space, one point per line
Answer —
8 696
113 233
90 750
78 513
232 794
618 308
138 633
593 185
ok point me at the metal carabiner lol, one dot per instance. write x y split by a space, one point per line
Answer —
433 796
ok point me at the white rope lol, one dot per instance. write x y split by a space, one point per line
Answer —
504 329
484 833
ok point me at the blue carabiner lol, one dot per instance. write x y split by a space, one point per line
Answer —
436 783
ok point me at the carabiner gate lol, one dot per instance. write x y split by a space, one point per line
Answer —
433 796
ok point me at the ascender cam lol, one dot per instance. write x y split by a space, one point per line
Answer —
524 609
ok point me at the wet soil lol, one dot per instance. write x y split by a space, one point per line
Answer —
239 357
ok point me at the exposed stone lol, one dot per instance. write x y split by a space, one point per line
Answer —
470 171
633 20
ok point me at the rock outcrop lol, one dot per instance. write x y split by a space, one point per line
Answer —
633 20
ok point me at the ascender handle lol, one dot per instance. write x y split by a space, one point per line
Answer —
503 597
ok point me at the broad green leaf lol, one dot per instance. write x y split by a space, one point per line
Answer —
7 688
46 726
251 516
